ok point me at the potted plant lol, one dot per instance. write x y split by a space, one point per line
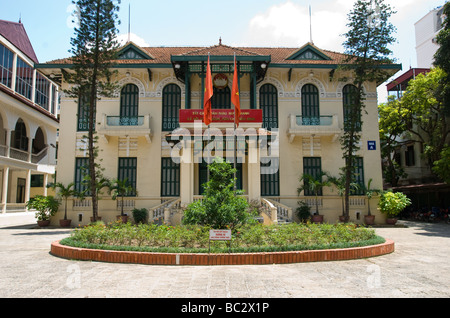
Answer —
303 211
121 188
46 207
392 204
369 219
314 184
65 193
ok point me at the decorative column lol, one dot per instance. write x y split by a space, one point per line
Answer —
5 188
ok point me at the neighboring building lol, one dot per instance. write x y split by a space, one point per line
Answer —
293 104
421 185
28 120
426 30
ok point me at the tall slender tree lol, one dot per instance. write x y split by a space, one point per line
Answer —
367 46
442 56
94 49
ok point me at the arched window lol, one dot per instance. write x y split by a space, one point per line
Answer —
349 95
19 136
129 105
310 105
268 102
221 98
171 107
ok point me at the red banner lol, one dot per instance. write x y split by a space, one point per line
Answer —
221 115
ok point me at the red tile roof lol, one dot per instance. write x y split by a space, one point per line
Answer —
15 33
162 55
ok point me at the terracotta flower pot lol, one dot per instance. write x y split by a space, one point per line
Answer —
369 219
317 218
391 221
64 223
123 218
44 223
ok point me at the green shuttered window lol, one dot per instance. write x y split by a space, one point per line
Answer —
128 171
170 178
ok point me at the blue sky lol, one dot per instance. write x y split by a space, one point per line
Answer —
272 23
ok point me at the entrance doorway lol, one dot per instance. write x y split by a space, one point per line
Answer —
203 176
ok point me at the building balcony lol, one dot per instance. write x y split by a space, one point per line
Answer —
320 126
119 126
22 155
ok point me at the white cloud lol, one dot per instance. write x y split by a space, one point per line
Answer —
288 25
123 39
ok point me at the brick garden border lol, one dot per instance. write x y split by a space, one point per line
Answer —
83 254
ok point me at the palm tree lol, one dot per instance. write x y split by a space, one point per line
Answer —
339 183
369 194
64 192
313 184
121 188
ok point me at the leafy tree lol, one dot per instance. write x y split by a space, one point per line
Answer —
367 46
94 48
424 113
220 207
442 56
442 166
392 124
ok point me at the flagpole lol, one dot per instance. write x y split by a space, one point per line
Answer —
235 137
209 125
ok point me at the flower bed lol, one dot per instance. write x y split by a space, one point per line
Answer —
245 239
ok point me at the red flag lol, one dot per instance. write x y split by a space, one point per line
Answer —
207 117
235 94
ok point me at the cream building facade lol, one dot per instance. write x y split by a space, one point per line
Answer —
293 109
28 121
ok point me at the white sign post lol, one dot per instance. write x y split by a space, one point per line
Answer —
219 235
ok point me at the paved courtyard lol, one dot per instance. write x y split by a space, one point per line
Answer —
419 268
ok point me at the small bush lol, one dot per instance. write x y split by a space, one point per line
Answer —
140 215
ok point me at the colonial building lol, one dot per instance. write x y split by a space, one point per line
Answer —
293 102
28 120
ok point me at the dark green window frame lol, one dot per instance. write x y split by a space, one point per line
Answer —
81 170
83 114
349 94
171 107
268 103
313 167
221 98
127 170
170 178
270 183
310 105
359 176
129 105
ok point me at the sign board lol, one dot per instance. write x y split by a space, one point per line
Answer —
220 235
372 145
221 115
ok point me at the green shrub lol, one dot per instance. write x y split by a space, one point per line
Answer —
140 215
221 207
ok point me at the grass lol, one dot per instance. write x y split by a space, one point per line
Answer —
246 239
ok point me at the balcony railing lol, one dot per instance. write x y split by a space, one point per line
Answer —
115 121
119 126
22 155
305 126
